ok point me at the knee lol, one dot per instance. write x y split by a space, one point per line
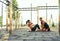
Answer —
37 25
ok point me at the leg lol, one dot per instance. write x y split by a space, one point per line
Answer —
36 26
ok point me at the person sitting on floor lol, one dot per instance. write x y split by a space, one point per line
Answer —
44 25
30 25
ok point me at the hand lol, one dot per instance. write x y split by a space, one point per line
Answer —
29 30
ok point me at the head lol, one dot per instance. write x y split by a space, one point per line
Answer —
28 21
40 18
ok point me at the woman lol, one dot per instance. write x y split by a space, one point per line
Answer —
44 25
30 25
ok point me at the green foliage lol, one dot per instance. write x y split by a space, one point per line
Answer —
0 20
53 24
14 5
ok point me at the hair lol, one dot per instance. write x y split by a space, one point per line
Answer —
27 21
40 17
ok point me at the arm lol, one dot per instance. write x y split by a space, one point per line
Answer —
42 24
30 25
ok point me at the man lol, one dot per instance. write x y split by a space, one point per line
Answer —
30 25
44 25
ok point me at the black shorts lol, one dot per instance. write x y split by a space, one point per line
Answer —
33 29
46 26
